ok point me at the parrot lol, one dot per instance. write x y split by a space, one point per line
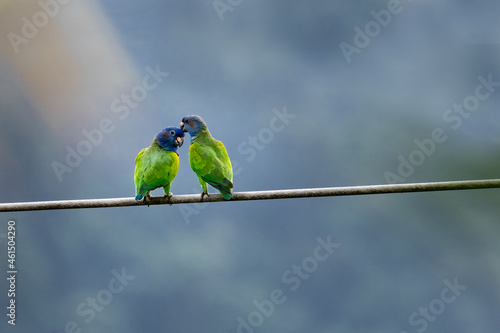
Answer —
157 165
208 158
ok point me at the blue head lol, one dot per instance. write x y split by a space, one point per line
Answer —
193 125
170 138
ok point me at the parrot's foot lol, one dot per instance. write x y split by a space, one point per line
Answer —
168 197
203 194
147 199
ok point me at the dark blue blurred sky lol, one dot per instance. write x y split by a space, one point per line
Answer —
270 78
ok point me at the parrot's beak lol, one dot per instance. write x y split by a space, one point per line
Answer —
179 141
182 127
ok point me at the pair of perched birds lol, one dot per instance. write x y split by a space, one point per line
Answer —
157 165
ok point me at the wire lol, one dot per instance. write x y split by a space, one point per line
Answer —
255 195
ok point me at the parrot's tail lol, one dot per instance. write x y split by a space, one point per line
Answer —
226 189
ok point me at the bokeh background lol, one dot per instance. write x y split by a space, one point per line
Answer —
73 69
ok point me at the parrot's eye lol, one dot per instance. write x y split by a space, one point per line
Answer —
172 133
186 121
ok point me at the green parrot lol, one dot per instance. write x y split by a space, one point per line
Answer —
157 165
208 158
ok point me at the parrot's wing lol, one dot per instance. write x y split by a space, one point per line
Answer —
139 156
140 166
211 163
223 157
